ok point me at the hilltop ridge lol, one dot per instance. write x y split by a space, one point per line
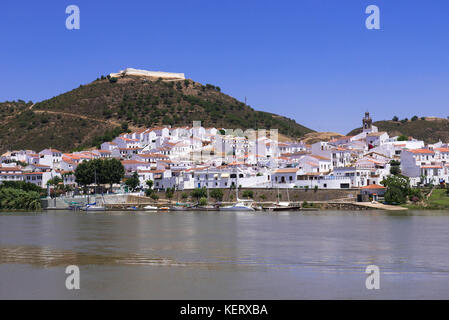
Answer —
108 106
428 129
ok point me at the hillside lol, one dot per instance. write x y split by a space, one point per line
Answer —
313 137
99 111
429 129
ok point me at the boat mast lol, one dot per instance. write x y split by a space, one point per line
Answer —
236 185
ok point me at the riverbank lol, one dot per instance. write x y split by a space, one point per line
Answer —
316 199
438 200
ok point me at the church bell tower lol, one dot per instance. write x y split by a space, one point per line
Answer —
367 123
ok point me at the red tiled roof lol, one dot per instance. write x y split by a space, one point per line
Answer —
373 186
421 151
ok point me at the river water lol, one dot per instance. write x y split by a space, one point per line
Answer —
210 255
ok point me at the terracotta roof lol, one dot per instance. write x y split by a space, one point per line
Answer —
10 169
286 170
421 151
319 157
134 162
373 186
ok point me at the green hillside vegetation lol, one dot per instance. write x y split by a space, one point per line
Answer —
99 111
430 130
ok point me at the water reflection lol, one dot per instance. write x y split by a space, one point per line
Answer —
254 254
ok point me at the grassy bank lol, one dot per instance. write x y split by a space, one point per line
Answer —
438 200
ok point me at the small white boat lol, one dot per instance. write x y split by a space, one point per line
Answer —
237 207
150 208
93 208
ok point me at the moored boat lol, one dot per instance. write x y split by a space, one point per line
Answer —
93 208
240 206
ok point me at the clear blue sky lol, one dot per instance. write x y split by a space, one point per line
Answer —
311 60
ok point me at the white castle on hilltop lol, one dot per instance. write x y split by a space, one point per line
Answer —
145 73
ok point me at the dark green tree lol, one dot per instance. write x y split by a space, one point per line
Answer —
112 172
199 193
398 188
169 193
133 182
248 194
217 194
84 174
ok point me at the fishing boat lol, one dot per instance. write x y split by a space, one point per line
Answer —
283 206
150 208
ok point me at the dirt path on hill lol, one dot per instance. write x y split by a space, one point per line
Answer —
109 122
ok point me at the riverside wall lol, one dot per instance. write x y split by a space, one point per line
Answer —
270 195
260 195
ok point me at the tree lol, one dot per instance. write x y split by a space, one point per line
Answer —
402 138
17 199
395 195
184 196
398 188
169 193
111 172
248 194
101 171
84 175
149 184
133 182
199 193
55 182
203 201
25 186
395 119
395 168
217 194
414 118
